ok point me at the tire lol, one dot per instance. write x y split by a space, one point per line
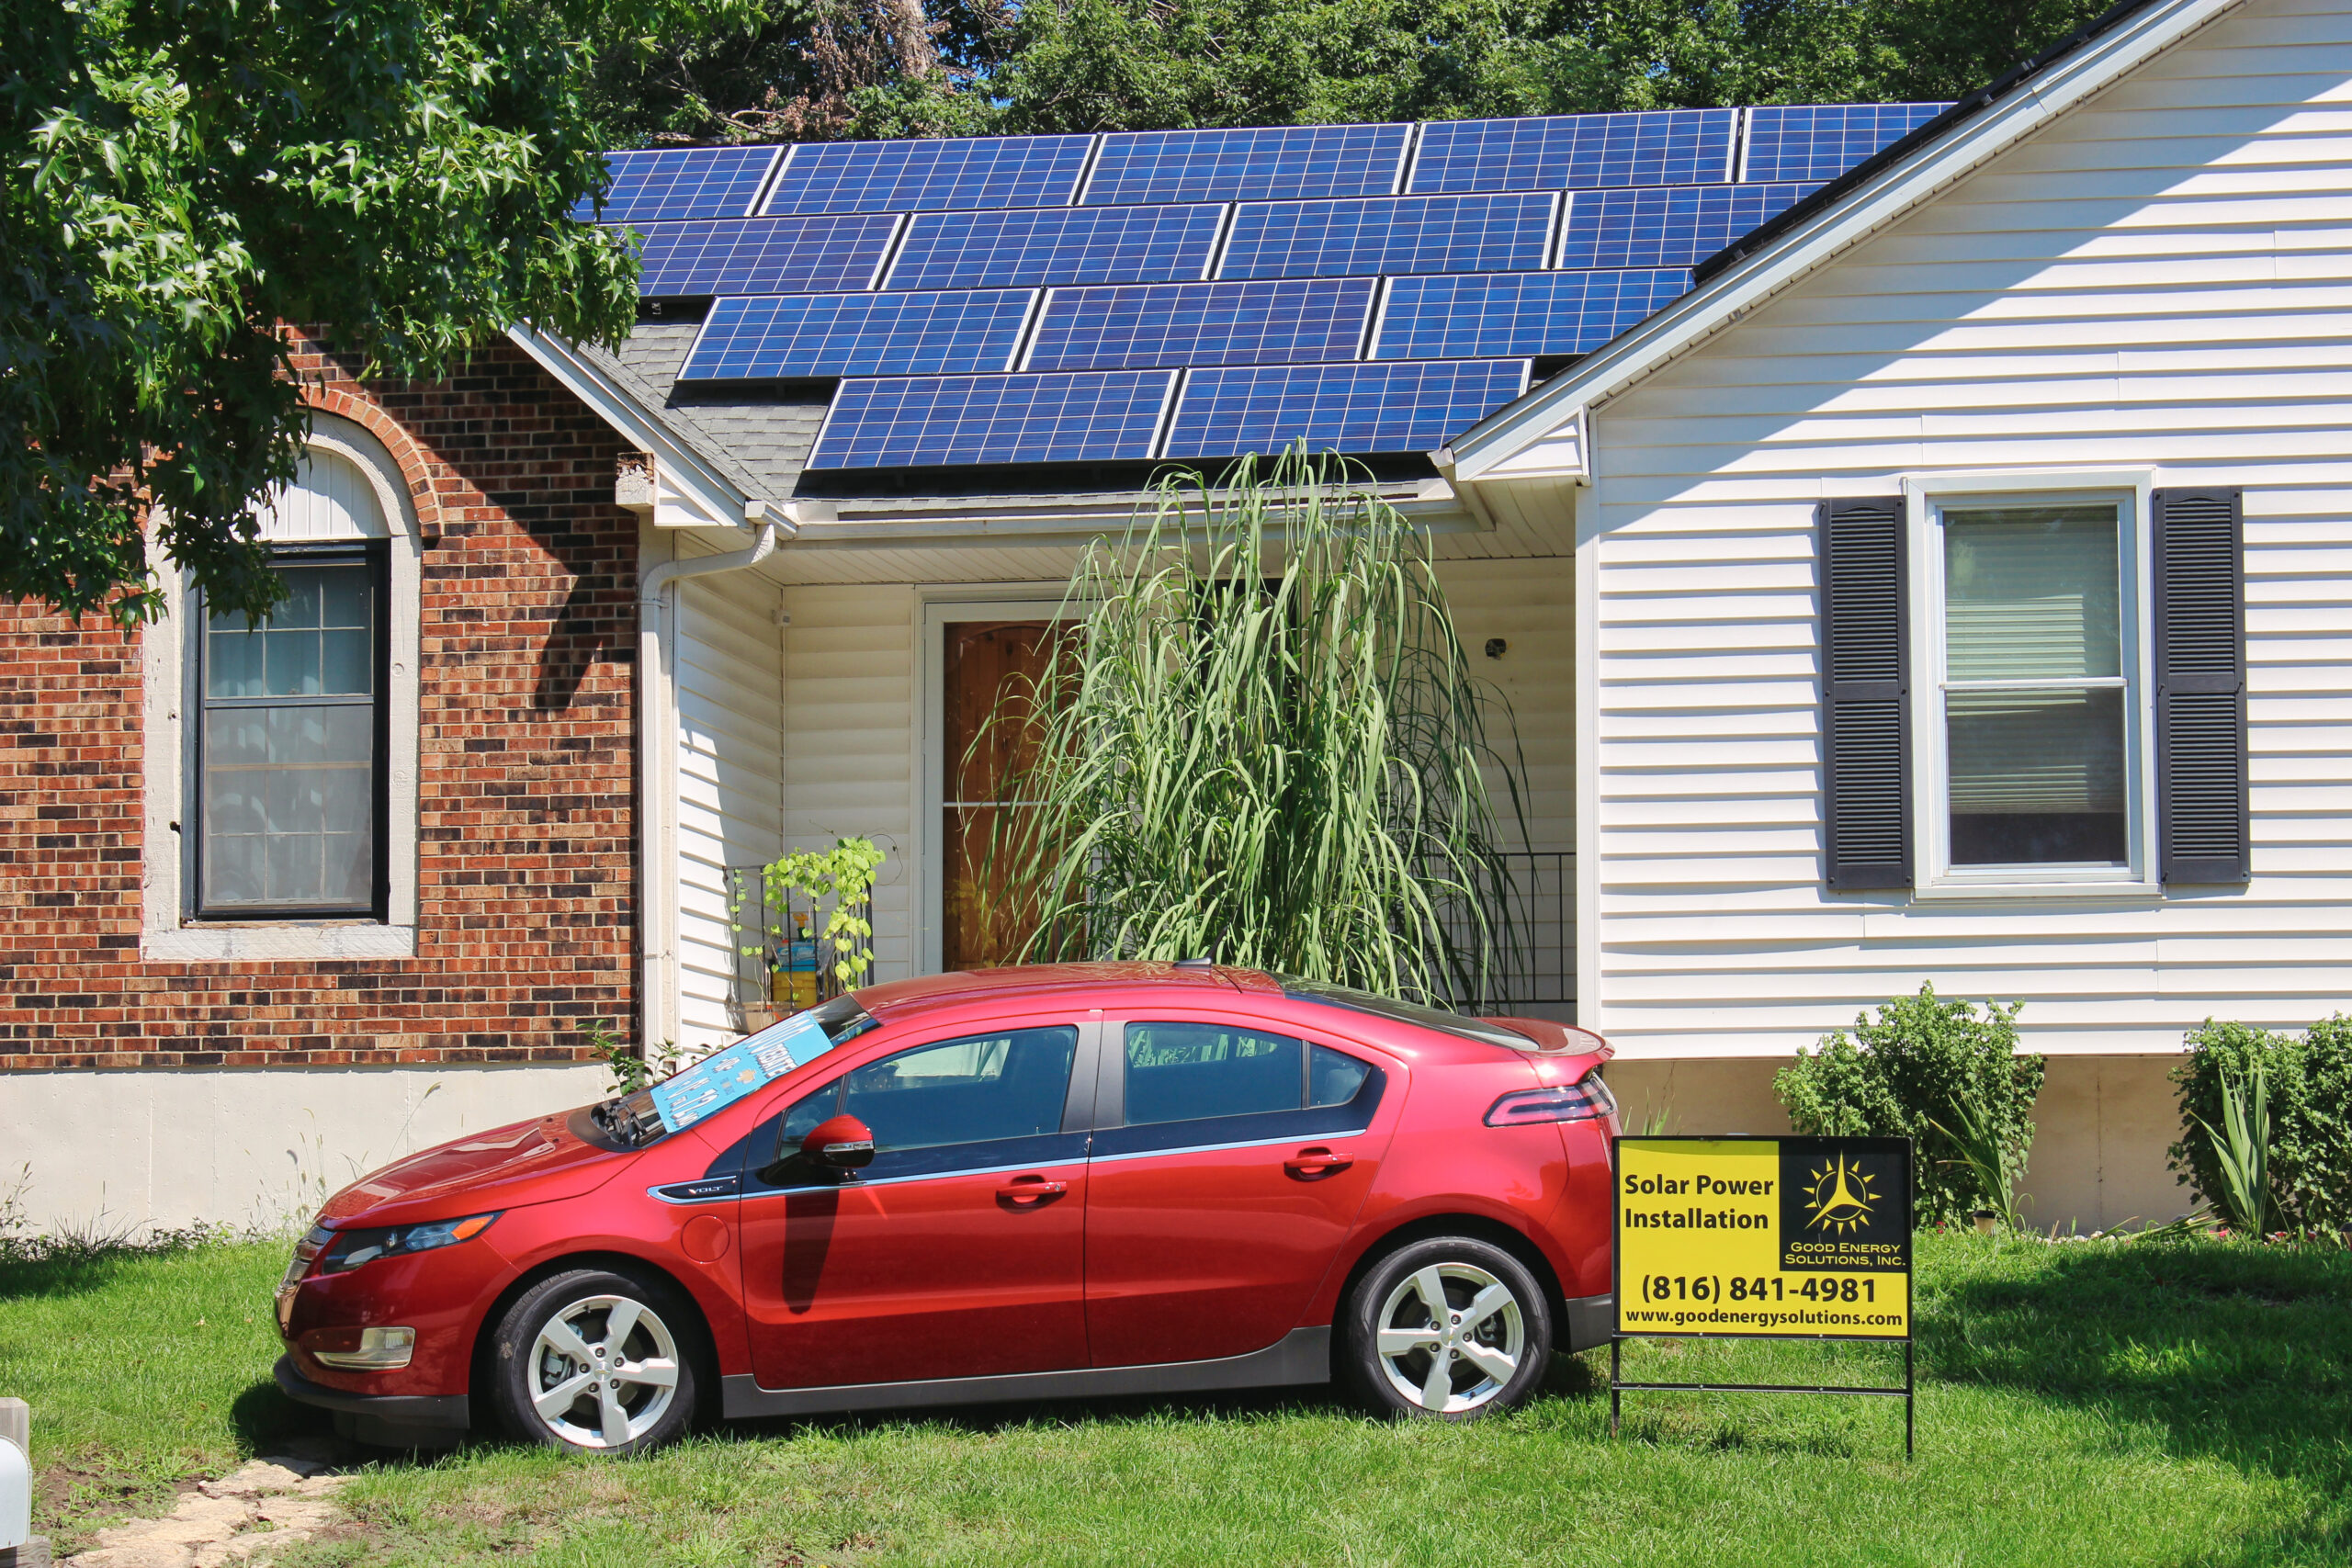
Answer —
625 1398
1398 1354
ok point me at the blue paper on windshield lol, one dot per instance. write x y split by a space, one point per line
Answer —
721 1078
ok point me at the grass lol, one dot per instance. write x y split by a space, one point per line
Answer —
143 1370
2093 1404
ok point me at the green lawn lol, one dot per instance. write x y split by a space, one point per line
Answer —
2086 1404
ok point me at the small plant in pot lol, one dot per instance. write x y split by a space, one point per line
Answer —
814 926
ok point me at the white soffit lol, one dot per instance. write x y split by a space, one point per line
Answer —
1543 434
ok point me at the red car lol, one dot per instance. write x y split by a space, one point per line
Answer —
1016 1184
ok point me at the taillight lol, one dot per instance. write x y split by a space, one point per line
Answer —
1581 1101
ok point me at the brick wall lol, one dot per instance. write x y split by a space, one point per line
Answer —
526 851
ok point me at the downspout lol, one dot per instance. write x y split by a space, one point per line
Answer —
657 772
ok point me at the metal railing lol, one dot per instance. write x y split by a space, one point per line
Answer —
1542 973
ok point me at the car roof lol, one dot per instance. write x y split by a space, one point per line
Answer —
1012 983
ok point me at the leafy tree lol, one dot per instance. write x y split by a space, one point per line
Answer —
949 67
184 175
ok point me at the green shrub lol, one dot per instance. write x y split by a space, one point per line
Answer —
1924 1065
2310 1083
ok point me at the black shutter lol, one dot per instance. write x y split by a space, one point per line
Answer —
2199 589
1865 695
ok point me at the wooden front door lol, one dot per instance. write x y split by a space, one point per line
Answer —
985 661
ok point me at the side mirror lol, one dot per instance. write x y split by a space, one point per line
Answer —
843 1142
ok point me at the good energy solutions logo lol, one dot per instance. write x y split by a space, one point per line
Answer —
1845 1204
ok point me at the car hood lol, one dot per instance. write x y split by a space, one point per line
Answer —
524 1162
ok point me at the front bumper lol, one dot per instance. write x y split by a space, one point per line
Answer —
390 1420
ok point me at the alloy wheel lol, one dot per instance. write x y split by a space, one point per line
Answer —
1450 1336
603 1372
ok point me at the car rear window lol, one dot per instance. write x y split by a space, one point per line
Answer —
1454 1023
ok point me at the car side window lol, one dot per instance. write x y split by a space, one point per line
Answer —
1190 1072
1333 1078
977 1089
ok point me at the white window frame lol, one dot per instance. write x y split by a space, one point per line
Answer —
1007 603
167 933
1927 497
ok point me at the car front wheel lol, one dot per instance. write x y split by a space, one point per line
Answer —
1450 1328
597 1360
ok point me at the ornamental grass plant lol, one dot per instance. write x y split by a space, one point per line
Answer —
1264 744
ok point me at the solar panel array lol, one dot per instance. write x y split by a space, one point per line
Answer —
1140 295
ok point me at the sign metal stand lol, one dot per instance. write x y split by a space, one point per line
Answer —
1852 1191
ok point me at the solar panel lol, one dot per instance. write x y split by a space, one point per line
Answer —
673 183
762 255
1657 147
1288 163
1202 324
940 421
1377 234
1354 408
1815 142
899 176
782 335
1055 244
1665 225
1477 317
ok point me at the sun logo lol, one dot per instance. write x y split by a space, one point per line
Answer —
1841 1196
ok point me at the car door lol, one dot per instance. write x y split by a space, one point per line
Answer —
958 1251
1230 1161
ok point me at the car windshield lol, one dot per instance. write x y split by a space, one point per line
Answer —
730 1073
1479 1028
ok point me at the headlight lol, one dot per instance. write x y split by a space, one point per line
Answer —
351 1248
1581 1101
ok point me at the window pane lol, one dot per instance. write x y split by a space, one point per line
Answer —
2030 593
290 663
288 805
965 1091
1181 1072
348 661
232 661
1333 1076
2037 777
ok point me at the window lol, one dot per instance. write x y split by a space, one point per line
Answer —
289 781
2034 688
280 760
981 1088
2033 683
1190 1072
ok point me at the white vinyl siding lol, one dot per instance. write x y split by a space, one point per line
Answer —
730 778
849 740
2160 280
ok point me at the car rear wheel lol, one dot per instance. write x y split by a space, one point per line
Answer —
598 1360
1450 1328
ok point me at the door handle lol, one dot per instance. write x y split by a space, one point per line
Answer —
1030 1192
1315 1164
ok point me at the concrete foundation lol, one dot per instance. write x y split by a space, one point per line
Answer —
2101 1128
131 1150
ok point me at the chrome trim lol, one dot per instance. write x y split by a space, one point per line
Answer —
925 1176
1302 1356
1306 1141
